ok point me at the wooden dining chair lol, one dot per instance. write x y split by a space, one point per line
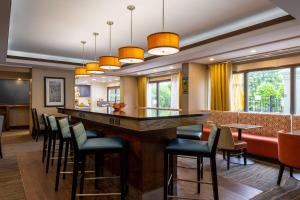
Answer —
1 127
231 147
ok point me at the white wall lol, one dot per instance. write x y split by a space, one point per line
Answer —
98 91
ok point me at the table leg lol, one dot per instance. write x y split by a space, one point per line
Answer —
240 159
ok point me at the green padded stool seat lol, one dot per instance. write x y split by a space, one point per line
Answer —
188 147
192 132
83 147
95 144
65 138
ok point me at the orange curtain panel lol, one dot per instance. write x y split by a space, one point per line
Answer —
142 91
180 89
220 75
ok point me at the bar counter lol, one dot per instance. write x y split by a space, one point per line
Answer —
147 131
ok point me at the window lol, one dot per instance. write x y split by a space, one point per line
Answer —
269 90
159 94
297 93
113 94
237 92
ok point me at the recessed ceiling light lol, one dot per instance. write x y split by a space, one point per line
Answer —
19 79
253 51
154 70
109 80
103 77
171 67
139 73
116 79
211 59
266 55
94 79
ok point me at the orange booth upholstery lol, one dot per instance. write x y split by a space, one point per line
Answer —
262 141
288 152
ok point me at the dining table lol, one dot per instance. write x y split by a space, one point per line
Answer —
241 127
147 131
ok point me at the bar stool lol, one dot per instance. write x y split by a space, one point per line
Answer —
96 146
191 148
53 132
65 138
45 142
192 132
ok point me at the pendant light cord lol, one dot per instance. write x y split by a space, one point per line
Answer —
83 56
131 27
163 15
110 40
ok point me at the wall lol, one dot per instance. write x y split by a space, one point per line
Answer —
129 92
197 97
38 75
98 91
284 61
198 87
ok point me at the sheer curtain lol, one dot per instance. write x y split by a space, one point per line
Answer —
174 91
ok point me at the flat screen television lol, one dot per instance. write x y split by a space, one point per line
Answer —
14 92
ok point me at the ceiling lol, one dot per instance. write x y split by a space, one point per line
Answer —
53 29
111 80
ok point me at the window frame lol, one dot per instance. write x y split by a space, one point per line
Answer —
157 89
112 88
292 67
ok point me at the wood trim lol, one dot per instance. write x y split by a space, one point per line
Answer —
268 68
272 22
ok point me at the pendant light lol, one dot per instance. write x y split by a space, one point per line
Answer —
109 62
163 43
131 54
81 71
93 67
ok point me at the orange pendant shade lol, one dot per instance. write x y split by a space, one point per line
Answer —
163 43
131 54
109 62
80 71
93 68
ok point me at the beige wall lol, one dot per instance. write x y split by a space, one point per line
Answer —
129 91
284 61
198 87
197 97
38 88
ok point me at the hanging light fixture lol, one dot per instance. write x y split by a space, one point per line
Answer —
131 54
93 67
109 62
81 71
163 43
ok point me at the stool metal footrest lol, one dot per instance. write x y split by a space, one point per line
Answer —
179 197
55 158
70 172
192 181
98 194
102 178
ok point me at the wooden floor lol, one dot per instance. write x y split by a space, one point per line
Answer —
38 185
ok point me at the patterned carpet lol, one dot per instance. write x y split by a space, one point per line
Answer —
261 175
11 186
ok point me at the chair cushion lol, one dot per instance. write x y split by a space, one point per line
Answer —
193 128
92 134
102 144
189 135
187 146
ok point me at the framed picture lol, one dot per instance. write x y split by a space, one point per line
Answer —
54 92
